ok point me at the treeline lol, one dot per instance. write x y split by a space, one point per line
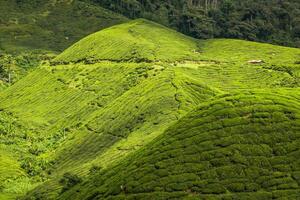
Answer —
273 21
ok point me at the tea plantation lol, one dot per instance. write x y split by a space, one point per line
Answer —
139 111
243 146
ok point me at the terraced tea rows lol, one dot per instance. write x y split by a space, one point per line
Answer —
242 146
229 77
135 41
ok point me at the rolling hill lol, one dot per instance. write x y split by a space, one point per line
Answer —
243 146
139 111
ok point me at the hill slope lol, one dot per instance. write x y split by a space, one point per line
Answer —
138 41
108 106
243 146
33 31
50 25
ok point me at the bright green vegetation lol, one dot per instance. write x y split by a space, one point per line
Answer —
9 170
139 111
144 99
244 146
136 41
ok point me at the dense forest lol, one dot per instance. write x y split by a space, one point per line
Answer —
274 21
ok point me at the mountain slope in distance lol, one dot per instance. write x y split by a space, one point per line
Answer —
50 25
32 31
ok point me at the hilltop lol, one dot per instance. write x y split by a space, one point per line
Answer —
141 111
138 41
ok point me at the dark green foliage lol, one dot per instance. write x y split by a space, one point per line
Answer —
55 25
95 169
49 25
69 180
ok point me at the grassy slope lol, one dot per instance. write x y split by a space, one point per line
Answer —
76 116
65 114
231 69
15 67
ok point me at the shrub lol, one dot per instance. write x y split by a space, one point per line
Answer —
94 169
30 165
69 180
213 189
297 62
1 188
236 187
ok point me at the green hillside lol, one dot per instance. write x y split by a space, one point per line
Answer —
49 25
243 146
32 31
140 111
137 41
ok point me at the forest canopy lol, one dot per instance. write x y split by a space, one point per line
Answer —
273 21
